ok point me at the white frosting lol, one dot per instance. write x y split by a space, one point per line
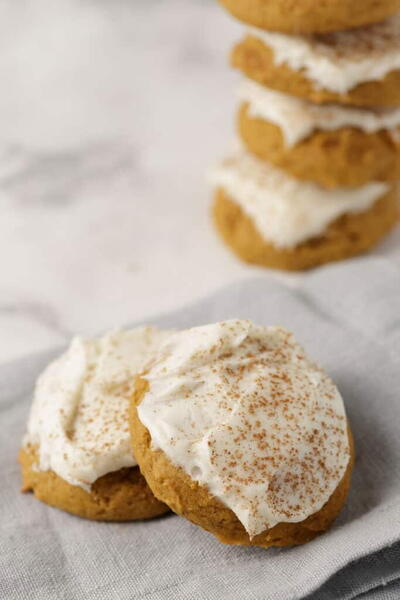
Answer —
339 61
298 118
242 410
287 211
79 416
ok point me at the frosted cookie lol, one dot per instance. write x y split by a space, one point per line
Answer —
359 67
269 218
236 429
77 454
309 16
331 144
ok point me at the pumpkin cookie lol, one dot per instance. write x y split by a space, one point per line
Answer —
122 495
76 454
237 430
332 145
359 67
308 16
270 219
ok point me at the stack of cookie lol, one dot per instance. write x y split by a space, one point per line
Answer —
315 177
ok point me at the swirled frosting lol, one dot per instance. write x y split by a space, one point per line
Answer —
79 417
243 411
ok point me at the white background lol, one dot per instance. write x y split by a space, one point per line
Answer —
111 113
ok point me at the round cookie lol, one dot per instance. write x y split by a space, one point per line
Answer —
308 16
243 471
360 68
349 235
76 454
119 496
347 156
270 218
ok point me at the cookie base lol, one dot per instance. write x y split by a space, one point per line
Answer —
346 157
256 60
119 496
194 502
348 236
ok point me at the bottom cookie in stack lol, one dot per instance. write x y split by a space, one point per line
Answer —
271 219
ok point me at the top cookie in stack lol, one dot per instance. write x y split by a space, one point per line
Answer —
320 126
311 16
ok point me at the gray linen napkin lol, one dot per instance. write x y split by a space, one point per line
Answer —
348 318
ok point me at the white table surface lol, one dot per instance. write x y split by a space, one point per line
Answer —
111 112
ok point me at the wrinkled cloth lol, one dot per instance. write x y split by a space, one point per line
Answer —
347 316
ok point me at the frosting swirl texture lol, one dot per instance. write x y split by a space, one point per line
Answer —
79 416
243 411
